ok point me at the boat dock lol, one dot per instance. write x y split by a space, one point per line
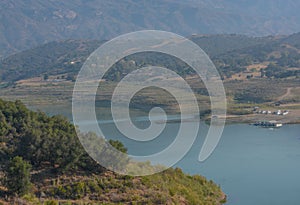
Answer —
271 124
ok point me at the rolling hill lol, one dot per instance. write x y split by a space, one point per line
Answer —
231 54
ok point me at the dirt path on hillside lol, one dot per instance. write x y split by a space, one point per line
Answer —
288 92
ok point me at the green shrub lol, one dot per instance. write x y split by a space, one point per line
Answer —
51 202
18 176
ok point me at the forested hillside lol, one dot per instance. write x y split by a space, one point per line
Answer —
231 54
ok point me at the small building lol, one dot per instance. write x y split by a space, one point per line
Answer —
285 112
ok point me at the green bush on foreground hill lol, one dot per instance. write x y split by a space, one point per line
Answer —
44 154
17 178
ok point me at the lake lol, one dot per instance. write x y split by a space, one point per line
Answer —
252 165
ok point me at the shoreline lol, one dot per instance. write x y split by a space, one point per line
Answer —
241 119
252 118
292 118
227 122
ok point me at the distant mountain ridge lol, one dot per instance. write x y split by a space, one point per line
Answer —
26 24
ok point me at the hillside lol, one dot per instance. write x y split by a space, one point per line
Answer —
26 24
58 57
231 54
45 154
257 71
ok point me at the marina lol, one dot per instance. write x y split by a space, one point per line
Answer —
268 124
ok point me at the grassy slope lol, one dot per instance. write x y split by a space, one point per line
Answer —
169 187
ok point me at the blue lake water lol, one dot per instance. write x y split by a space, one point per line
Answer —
252 165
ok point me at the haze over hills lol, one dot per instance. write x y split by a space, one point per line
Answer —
25 24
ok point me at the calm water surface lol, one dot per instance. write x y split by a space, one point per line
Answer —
252 165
